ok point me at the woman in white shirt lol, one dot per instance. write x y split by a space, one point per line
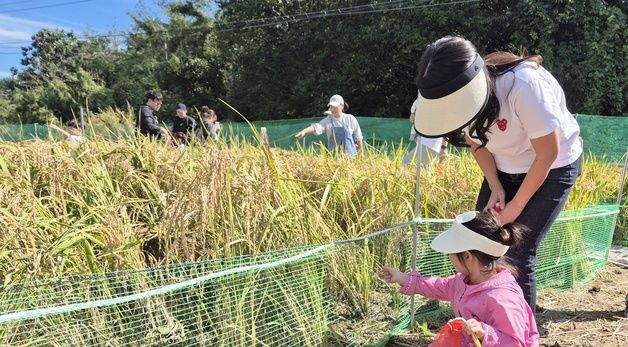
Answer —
431 148
514 117
342 129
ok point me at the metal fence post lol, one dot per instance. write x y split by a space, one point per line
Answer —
417 206
82 122
620 191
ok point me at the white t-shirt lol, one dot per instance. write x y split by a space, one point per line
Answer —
532 105
346 120
77 139
431 143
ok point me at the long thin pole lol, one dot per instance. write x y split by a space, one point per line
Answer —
620 192
82 121
417 205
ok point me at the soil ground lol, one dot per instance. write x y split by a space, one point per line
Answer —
588 316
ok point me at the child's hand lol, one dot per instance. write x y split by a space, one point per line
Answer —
471 326
392 275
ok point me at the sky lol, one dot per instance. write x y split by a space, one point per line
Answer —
19 20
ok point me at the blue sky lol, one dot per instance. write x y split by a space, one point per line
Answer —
91 17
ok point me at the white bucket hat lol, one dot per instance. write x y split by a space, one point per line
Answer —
459 238
336 101
453 105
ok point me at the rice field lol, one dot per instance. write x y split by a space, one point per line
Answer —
119 203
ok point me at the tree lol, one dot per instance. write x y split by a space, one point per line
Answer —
54 81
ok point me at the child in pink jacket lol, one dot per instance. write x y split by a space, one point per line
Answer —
483 291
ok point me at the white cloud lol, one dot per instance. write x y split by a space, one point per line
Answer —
4 74
14 34
20 29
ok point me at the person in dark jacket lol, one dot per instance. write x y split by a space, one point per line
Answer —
183 126
147 121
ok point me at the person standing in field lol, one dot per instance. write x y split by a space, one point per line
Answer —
343 130
147 122
512 113
183 126
431 148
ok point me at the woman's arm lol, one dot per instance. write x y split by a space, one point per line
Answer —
63 132
546 149
358 145
486 161
305 131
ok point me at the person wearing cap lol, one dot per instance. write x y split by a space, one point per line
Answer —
182 125
147 121
513 114
342 129
483 291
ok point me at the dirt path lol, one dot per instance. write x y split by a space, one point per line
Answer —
591 315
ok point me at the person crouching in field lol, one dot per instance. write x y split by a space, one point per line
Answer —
209 127
343 130
74 133
484 291
183 126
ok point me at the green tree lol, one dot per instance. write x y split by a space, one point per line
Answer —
53 81
584 45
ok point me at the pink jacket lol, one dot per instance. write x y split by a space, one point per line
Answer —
497 303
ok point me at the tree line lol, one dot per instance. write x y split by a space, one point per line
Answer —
278 59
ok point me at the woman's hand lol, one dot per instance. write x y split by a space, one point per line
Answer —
473 327
497 200
392 275
510 213
300 134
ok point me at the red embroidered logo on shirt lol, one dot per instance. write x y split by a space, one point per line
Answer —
502 124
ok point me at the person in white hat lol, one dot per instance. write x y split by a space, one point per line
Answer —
513 114
342 129
483 291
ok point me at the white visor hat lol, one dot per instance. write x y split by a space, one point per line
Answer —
454 104
459 238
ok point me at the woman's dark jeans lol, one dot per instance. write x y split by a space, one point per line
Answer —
538 215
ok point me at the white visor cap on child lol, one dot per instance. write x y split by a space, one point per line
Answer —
453 105
336 101
459 238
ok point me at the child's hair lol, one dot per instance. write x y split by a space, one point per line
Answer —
207 112
488 226
72 123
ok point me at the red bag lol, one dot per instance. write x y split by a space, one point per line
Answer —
450 335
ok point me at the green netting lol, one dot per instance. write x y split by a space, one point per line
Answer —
603 136
326 295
